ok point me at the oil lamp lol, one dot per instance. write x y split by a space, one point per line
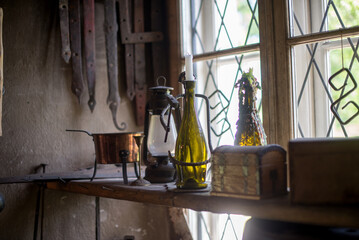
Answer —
158 142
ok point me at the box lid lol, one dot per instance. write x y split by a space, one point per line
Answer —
304 146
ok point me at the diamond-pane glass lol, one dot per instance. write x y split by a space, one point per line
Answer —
328 14
219 25
217 80
324 110
208 27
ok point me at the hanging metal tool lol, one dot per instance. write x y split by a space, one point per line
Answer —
75 37
111 28
135 52
90 52
64 29
140 65
125 28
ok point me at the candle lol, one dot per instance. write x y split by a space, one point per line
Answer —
189 67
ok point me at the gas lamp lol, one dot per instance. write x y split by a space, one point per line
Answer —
158 142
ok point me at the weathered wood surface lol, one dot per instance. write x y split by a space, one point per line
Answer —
174 41
82 174
324 170
278 208
178 224
252 172
1 67
275 69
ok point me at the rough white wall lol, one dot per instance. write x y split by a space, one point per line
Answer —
37 108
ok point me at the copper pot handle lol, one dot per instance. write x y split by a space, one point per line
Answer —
84 131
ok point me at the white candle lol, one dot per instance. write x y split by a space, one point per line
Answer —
189 67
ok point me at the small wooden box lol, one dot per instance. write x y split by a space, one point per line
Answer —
252 172
324 170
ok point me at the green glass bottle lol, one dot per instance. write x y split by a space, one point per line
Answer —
190 145
249 127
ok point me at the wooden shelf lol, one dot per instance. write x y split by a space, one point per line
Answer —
166 194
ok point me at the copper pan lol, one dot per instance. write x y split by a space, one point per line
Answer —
109 145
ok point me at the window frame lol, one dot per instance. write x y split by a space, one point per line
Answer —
275 54
279 118
275 49
319 122
277 98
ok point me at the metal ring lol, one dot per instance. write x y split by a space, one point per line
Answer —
175 161
164 81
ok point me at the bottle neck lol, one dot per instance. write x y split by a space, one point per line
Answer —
189 93
189 86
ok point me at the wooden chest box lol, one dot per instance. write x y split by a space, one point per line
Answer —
324 170
252 172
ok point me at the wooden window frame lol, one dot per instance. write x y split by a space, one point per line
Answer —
275 54
272 49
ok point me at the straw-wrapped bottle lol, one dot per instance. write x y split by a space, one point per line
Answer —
250 131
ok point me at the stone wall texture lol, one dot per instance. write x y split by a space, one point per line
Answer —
38 107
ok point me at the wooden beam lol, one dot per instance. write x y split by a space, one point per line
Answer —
275 67
103 171
174 55
283 81
1 67
266 23
178 224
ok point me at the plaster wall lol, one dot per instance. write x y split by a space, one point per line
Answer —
37 108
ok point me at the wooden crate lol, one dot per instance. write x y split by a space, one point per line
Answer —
324 170
252 172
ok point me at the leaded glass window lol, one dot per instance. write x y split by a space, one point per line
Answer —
314 63
223 36
323 37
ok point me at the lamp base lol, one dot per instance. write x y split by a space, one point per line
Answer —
140 182
162 172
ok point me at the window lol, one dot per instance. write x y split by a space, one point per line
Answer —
314 63
294 47
223 36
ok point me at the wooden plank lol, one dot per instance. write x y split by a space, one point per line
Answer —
324 170
84 174
278 208
275 209
1 67
265 9
178 224
283 81
275 67
174 42
153 194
